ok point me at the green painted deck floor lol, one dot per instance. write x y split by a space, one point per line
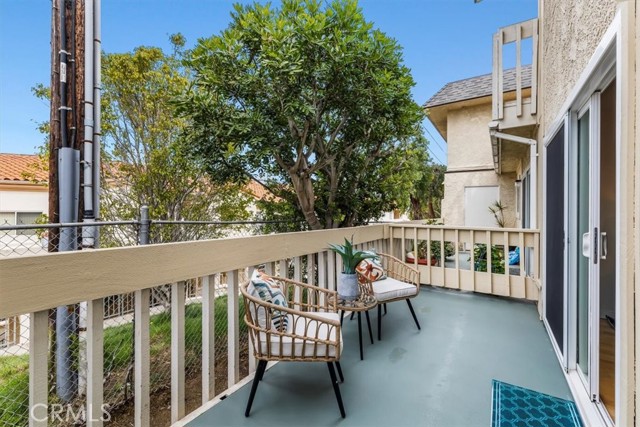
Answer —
440 376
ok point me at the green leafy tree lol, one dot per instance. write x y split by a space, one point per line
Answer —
144 157
428 193
149 164
312 101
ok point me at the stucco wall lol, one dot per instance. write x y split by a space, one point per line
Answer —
24 201
468 141
455 183
571 30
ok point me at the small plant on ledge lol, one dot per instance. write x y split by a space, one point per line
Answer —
348 282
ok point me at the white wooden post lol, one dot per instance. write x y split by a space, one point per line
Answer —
489 253
95 369
322 274
297 276
208 338
284 269
297 269
270 268
506 258
415 249
141 359
233 329
472 258
38 372
331 270
311 271
518 29
177 351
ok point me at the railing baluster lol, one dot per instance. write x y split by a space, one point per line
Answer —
331 270
403 249
518 29
489 253
177 350
322 273
38 373
208 338
95 362
270 268
457 256
506 262
311 269
233 329
429 266
284 269
472 259
141 359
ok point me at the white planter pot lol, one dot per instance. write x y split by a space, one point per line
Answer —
348 286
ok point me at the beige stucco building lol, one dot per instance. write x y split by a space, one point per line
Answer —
461 111
560 142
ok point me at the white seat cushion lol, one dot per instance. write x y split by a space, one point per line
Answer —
389 289
284 346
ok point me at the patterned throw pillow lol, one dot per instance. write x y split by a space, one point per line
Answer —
371 268
261 286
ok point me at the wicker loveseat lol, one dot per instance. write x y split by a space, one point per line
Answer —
313 332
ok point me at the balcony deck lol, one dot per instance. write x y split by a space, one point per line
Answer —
440 376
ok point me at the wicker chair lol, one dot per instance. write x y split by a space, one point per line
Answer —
402 283
314 333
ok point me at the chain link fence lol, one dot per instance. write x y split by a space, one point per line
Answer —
67 325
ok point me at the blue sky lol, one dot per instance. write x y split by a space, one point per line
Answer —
443 40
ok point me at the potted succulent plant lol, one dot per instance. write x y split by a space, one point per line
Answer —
348 280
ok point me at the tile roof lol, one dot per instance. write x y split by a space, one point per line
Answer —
14 167
477 87
257 190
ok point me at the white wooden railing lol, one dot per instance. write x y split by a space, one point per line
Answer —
31 286
35 284
517 281
515 33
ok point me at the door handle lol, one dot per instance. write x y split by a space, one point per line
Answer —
586 245
604 243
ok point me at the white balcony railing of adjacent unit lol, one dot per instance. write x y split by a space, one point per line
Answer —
524 109
34 285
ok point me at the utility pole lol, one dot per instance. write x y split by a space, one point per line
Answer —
67 92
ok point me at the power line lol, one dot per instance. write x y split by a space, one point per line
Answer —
433 154
434 139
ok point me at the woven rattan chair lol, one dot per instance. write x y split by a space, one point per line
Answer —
314 333
402 283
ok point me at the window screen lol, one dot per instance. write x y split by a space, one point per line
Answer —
554 243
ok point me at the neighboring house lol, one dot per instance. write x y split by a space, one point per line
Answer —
460 111
22 200
561 143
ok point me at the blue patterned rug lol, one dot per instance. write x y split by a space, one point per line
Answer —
515 406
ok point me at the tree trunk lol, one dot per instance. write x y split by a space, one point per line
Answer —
432 213
306 198
416 208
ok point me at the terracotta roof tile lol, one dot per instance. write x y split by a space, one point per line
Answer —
14 167
257 190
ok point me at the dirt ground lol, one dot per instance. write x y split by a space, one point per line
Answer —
161 399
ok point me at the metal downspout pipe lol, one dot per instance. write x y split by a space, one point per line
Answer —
97 111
